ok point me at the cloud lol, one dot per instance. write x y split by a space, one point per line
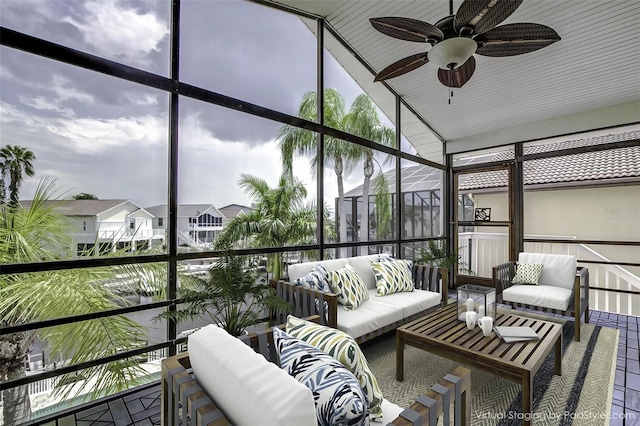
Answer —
115 30
45 104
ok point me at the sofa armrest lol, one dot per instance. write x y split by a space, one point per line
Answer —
306 302
458 388
432 278
502 276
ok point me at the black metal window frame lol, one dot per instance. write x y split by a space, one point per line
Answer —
176 89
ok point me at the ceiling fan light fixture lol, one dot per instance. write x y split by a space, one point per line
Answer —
452 53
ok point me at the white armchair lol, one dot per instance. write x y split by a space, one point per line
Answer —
561 286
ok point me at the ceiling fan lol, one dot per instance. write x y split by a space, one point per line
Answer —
455 38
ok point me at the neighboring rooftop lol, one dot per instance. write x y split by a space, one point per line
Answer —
614 166
185 210
609 167
233 210
81 207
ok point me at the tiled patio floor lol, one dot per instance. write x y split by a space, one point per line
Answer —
142 406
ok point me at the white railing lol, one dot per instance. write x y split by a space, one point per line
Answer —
44 385
480 251
120 233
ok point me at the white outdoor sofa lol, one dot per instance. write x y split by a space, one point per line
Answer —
562 287
224 380
375 316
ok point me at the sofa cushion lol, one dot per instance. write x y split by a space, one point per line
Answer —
348 285
343 348
528 273
339 400
545 296
276 398
369 317
362 264
391 411
317 279
392 276
410 303
559 269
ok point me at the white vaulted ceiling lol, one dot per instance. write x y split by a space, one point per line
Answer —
588 80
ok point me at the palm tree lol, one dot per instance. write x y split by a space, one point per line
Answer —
280 218
361 120
342 154
16 160
37 234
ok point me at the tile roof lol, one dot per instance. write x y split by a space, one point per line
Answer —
593 167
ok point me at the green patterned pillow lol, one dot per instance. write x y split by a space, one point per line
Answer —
392 277
349 287
343 348
527 273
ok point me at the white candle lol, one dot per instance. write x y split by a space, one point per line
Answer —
481 311
469 304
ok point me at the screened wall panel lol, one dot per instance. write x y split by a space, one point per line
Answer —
224 49
135 34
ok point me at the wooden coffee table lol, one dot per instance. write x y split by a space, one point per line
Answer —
441 333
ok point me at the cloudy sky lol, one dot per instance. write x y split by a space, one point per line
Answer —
100 135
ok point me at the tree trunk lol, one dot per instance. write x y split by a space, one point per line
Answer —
364 215
342 227
13 354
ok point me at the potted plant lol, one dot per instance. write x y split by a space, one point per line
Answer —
233 296
437 255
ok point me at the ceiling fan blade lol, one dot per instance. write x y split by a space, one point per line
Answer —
407 29
479 16
515 39
402 66
459 76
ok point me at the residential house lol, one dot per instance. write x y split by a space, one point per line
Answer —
198 224
103 226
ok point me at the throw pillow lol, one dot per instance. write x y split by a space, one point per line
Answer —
387 258
527 273
317 279
343 348
392 276
349 287
338 397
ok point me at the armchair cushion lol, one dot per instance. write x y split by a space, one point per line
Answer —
559 269
225 369
546 296
528 273
343 348
337 393
349 287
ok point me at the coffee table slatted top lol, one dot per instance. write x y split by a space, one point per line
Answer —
441 332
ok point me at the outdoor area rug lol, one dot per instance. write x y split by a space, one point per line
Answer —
582 395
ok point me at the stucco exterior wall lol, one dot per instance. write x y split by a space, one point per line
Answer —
611 213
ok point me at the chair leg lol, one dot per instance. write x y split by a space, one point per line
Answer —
577 324
586 315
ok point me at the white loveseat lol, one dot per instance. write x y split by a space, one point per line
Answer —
562 287
375 316
224 380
